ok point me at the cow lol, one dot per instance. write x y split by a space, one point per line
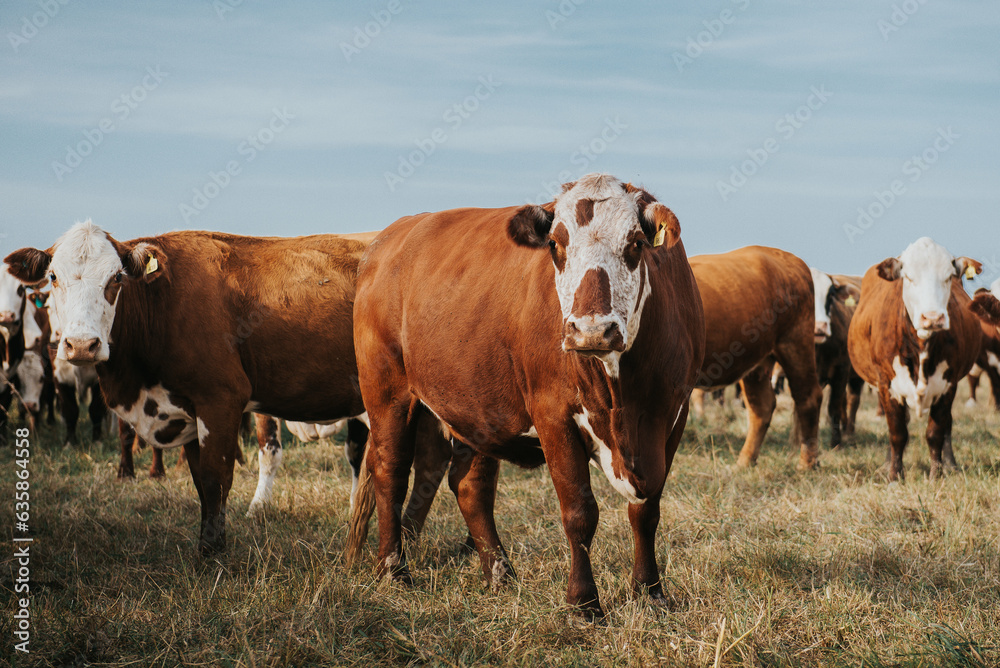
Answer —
836 300
988 361
35 369
563 334
73 383
758 305
187 330
913 337
12 305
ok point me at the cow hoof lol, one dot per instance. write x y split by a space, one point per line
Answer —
469 546
157 473
587 614
125 474
210 549
745 462
808 465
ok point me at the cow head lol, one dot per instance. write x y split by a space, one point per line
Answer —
31 373
926 270
11 303
598 232
87 269
827 290
986 304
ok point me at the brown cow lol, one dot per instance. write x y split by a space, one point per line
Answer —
836 300
187 330
759 307
988 361
914 338
567 333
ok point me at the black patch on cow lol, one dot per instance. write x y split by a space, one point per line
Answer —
150 407
170 433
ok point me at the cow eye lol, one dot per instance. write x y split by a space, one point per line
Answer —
52 277
552 244
119 277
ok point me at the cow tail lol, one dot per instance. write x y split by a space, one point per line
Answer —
364 506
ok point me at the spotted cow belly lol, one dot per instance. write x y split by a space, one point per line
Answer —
922 393
158 420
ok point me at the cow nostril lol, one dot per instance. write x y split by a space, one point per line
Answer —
94 347
610 329
69 345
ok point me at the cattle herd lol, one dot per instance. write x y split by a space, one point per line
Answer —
572 334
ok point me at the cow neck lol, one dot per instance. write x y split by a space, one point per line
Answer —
912 348
134 360
13 347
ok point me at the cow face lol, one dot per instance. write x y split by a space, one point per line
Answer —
822 285
87 269
598 232
11 303
986 304
926 270
31 373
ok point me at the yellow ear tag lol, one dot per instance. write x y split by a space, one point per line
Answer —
660 235
851 301
152 265
970 272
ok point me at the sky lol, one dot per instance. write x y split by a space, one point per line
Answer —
840 131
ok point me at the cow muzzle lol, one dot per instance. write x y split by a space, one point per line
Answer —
8 318
822 332
587 336
933 321
82 351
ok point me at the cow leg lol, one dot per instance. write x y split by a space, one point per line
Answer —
48 399
211 459
473 479
431 457
896 417
98 412
126 437
973 388
269 457
758 395
390 458
835 406
798 359
698 403
6 398
156 469
354 450
570 473
994 375
939 434
854 387
70 410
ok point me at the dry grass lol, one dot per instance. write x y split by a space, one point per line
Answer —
832 568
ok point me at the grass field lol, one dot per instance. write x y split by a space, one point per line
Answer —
767 567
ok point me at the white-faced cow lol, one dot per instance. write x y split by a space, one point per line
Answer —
188 330
914 338
12 304
758 305
567 334
35 370
836 300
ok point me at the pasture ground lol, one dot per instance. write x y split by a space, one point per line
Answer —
767 567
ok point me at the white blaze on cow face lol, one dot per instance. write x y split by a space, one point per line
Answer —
86 273
11 303
31 372
822 284
595 232
926 269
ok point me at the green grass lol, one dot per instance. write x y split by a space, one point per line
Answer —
830 568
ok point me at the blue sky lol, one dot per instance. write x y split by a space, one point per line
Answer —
324 128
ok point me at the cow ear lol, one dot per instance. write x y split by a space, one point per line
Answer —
28 265
967 266
145 262
663 224
530 225
847 293
890 268
987 307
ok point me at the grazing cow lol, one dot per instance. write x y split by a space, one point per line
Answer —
836 301
914 338
12 304
758 305
73 383
187 330
567 333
